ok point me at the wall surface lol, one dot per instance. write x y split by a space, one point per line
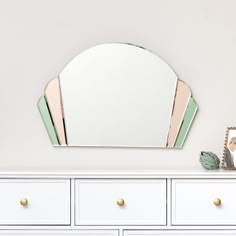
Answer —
38 38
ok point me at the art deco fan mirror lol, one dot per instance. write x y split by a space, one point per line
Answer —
117 95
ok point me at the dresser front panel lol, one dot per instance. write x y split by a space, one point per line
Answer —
48 202
177 233
144 202
193 202
60 233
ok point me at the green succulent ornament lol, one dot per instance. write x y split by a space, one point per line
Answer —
209 160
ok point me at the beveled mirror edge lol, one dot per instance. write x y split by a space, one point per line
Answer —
53 97
182 96
189 116
45 114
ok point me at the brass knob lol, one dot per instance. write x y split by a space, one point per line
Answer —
120 202
217 202
24 202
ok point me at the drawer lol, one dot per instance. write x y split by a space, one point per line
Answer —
59 232
99 202
34 202
193 202
178 233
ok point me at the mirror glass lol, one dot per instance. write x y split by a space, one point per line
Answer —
118 95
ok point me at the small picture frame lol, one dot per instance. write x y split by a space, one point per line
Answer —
229 154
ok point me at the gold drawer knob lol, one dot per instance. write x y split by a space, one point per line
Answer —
120 202
217 202
24 202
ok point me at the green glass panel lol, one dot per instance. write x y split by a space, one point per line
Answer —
186 124
45 114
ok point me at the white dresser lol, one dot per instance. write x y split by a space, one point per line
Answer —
118 203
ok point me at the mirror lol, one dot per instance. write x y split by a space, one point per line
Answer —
117 95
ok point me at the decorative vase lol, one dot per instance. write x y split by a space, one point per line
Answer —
209 160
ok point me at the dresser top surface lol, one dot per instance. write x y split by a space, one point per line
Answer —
161 173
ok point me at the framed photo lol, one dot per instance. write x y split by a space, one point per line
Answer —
229 155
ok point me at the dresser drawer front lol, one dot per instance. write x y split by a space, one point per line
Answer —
144 202
48 202
178 233
59 232
193 202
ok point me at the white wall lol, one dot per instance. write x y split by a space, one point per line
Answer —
37 38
